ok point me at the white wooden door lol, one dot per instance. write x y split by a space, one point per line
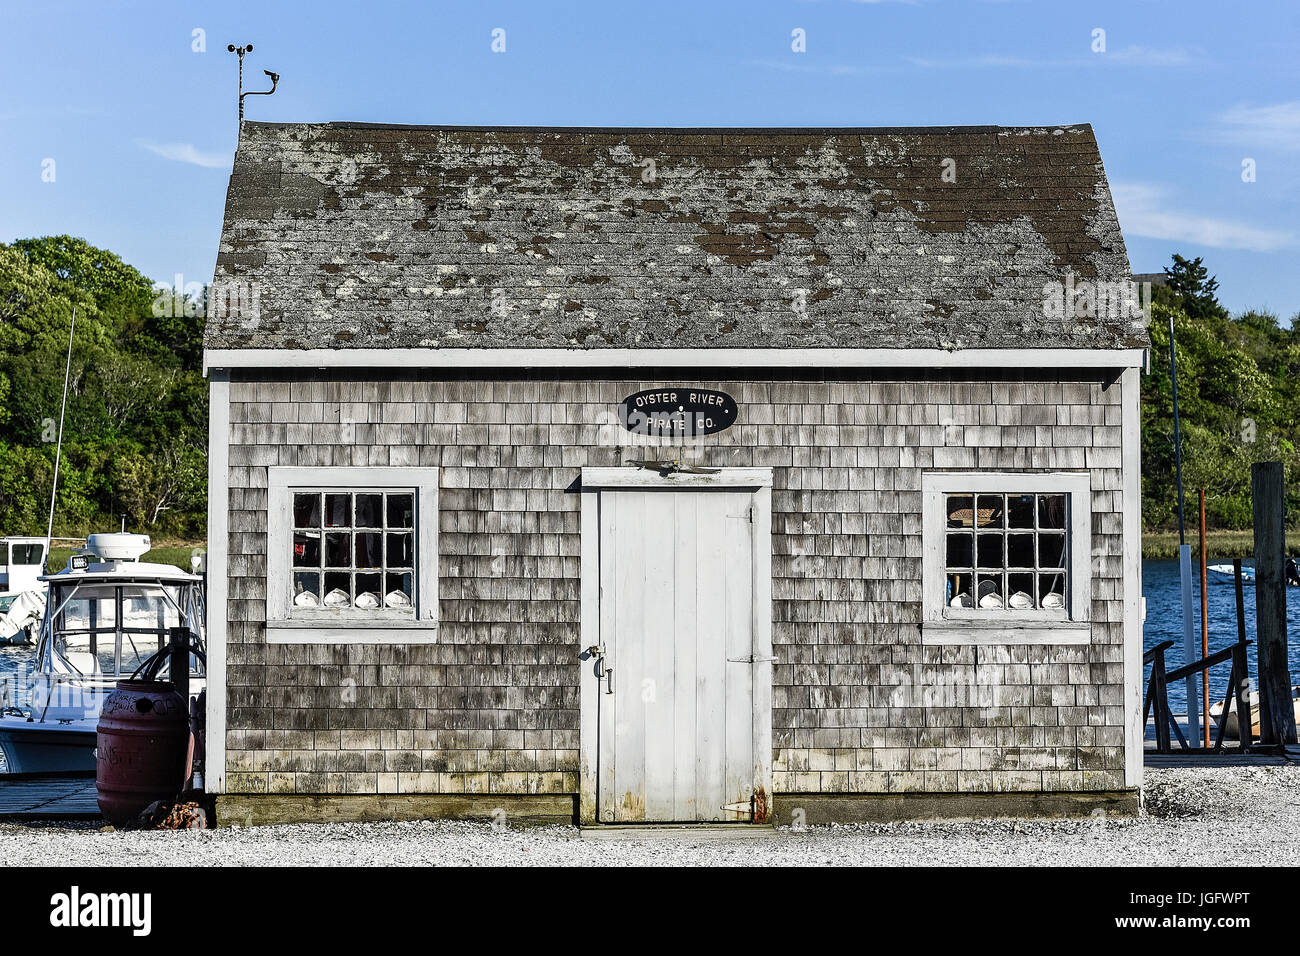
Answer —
677 710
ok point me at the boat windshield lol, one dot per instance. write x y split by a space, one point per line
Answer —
107 630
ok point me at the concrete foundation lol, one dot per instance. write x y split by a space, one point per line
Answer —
516 810
823 808
559 809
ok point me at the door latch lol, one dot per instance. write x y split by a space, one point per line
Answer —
602 671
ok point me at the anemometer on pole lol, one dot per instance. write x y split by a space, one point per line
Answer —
275 77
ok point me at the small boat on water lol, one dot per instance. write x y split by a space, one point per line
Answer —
1225 572
1231 729
107 613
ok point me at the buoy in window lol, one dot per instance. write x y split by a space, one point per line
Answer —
989 597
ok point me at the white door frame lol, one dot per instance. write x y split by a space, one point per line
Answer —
593 481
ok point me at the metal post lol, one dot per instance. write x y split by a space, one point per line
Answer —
1184 549
1192 686
58 447
1205 634
1178 435
179 662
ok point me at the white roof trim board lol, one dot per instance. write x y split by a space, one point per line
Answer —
673 358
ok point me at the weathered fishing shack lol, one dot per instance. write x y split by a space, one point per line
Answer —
622 475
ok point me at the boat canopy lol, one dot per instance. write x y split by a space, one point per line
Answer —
102 626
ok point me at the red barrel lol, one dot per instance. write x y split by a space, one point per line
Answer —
142 748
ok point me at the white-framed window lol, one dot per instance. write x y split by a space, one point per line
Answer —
352 554
1006 557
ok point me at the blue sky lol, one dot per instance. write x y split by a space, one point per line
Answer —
141 128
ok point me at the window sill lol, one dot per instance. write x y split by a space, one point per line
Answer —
347 632
1006 632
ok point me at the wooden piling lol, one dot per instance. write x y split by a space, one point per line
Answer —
1277 718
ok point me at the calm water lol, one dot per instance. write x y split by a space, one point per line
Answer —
1164 622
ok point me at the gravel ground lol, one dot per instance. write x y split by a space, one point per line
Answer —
1194 816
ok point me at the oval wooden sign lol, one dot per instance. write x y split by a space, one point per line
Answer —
677 412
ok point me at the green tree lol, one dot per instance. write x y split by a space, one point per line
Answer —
1237 402
1193 288
134 439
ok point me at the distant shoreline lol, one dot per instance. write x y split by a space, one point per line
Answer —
1163 545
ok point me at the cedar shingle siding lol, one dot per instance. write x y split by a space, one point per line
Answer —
859 704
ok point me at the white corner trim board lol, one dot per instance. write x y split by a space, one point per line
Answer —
218 584
673 358
1131 445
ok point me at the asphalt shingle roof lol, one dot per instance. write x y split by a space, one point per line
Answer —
365 236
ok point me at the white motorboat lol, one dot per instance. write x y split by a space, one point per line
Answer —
107 613
22 593
1225 572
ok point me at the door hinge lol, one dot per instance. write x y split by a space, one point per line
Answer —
751 659
741 806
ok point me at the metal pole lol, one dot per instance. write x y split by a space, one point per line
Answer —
1178 436
1184 553
179 662
1205 634
1191 684
58 448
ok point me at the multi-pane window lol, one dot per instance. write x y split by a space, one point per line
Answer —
351 554
353 549
1007 551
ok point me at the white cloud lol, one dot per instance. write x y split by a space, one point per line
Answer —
799 65
1147 56
1276 126
1128 56
188 153
1148 211
975 62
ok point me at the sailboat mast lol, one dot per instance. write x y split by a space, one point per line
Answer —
58 448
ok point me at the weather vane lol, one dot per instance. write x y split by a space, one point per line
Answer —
275 78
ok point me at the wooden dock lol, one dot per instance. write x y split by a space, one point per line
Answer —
46 796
